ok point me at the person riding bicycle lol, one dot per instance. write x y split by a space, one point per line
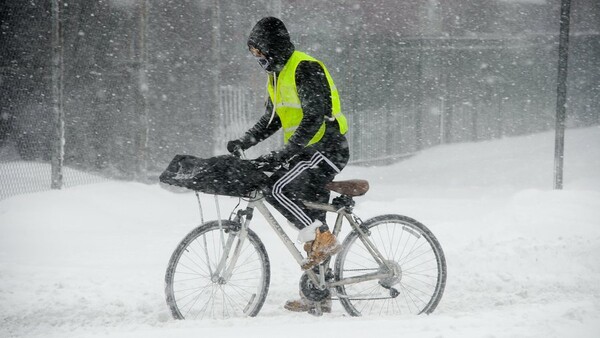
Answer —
304 102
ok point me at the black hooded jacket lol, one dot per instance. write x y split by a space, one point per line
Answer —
272 39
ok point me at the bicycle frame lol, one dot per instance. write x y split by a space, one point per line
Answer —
257 203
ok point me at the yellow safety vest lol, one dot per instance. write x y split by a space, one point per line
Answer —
284 95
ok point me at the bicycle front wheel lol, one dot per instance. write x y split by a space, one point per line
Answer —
197 288
415 256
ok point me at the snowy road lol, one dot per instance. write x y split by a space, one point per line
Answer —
523 259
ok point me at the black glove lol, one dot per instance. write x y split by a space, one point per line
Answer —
268 162
235 145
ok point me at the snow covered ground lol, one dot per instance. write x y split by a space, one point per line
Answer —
523 259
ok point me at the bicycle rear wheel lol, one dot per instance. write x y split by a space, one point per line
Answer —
417 260
193 288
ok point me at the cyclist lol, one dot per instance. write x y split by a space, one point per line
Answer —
304 102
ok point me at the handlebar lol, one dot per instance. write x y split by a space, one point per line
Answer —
239 152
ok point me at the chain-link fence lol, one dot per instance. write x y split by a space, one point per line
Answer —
21 177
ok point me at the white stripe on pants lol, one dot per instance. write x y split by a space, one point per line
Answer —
298 169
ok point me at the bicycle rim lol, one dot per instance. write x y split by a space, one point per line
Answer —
193 289
415 255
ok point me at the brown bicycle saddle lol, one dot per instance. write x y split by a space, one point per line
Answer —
350 187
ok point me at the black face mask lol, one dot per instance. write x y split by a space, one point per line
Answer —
264 63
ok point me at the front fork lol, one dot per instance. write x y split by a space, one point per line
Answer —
228 260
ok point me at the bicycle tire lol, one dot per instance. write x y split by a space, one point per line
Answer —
421 278
192 292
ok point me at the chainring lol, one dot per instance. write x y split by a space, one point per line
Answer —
311 291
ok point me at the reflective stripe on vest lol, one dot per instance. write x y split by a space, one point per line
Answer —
287 103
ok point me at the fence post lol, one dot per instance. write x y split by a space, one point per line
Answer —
58 149
561 100
442 119
141 89
215 72
419 108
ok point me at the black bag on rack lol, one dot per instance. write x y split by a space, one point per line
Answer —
221 175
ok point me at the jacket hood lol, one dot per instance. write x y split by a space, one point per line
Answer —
270 36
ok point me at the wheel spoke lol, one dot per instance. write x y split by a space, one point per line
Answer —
194 292
414 255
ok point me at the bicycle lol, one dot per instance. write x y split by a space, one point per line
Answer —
388 265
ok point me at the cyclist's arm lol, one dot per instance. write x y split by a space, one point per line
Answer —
262 129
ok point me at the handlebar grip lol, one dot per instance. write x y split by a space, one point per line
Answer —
238 152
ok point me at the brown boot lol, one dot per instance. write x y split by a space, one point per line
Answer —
308 247
303 305
324 246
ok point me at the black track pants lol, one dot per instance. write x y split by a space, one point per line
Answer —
305 179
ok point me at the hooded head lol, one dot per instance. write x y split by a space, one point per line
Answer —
270 37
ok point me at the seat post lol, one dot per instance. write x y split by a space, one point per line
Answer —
343 201
338 224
